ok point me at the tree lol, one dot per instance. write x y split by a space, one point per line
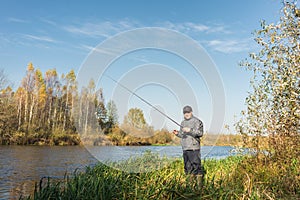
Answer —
273 105
135 124
39 112
70 88
107 116
51 82
40 95
135 118
72 83
8 119
112 114
89 104
19 97
28 83
86 109
101 112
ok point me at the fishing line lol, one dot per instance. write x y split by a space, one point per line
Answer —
145 101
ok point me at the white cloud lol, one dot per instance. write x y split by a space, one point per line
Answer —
229 46
101 29
219 29
223 45
112 52
17 20
89 48
108 28
189 27
198 27
105 29
40 38
47 21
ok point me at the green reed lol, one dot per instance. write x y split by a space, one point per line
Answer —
224 179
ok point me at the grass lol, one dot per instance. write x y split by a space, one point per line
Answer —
230 178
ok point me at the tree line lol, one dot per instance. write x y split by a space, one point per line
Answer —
40 110
50 109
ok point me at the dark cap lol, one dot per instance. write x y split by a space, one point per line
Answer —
187 109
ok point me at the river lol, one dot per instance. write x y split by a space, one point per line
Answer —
22 166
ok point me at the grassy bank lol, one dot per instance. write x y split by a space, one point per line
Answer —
117 137
230 178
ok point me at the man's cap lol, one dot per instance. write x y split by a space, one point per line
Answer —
187 109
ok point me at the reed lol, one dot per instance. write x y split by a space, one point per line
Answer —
230 178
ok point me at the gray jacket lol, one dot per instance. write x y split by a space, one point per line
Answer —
191 140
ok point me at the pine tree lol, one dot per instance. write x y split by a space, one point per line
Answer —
112 113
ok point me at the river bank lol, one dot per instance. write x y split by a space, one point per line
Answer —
230 178
160 138
22 166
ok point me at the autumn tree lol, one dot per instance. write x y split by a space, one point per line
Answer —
8 120
40 95
28 84
86 109
273 105
43 105
68 97
135 118
72 93
135 124
19 99
89 108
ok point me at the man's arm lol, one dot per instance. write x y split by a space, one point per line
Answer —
197 131
179 133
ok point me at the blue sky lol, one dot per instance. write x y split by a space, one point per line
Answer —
60 34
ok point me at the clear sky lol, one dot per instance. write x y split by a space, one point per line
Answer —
60 34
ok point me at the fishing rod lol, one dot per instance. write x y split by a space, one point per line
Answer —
126 88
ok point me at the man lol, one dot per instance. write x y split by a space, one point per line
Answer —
190 133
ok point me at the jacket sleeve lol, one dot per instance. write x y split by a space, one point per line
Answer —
180 132
197 131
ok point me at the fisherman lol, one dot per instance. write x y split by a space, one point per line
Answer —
190 132
191 129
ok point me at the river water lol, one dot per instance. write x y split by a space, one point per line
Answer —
22 166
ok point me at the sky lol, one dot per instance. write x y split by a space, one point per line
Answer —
62 34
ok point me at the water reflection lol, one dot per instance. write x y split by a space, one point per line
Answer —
21 167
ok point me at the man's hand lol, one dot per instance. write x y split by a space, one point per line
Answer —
186 129
175 132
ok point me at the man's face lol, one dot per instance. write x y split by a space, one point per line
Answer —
188 115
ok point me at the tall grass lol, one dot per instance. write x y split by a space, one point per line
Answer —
229 178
